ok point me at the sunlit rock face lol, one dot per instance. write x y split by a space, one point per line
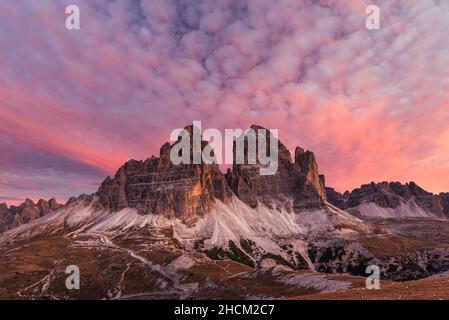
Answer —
157 186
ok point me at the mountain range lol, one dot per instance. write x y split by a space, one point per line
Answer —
157 230
26 212
391 199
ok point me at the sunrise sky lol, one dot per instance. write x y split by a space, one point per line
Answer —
75 105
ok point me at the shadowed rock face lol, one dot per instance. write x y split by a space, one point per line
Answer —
336 198
6 217
25 213
445 203
390 195
156 186
297 180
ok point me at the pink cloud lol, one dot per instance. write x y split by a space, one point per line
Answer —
372 105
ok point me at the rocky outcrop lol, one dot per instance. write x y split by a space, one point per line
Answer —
157 186
295 185
46 207
25 213
6 217
336 198
444 197
309 167
390 195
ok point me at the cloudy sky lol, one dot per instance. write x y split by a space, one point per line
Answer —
74 105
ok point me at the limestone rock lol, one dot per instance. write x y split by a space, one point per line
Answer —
336 198
391 195
25 213
6 217
307 161
298 181
444 197
157 186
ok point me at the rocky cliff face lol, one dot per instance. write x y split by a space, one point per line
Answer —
309 167
390 195
157 186
187 191
298 181
336 198
25 213
6 217
445 203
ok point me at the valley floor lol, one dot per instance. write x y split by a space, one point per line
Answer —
127 269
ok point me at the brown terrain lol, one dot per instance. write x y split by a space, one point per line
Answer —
37 270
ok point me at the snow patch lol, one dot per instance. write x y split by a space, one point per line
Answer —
271 230
317 282
408 209
183 262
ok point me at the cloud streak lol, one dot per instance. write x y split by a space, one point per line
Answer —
74 105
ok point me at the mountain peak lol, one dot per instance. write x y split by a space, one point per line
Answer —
28 202
26 212
257 127
289 182
186 191
157 186
391 195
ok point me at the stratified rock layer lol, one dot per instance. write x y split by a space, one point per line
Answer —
157 186
186 191
298 181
